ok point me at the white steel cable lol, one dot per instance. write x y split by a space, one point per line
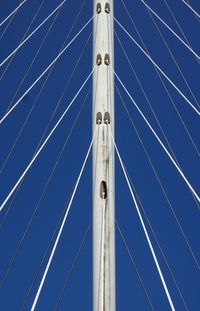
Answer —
177 221
74 264
39 94
158 139
173 57
144 229
36 102
46 140
150 105
33 59
191 8
43 73
160 77
62 225
157 242
171 30
134 264
179 26
13 12
45 37
22 38
31 34
156 65
7 26
38 204
43 86
161 80
189 2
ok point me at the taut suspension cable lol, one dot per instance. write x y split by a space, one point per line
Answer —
7 26
43 73
32 33
191 8
72 268
169 203
45 142
161 78
144 229
156 65
34 102
62 225
134 265
38 204
173 58
13 12
179 26
170 29
159 140
22 38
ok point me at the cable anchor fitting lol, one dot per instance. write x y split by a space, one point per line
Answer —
106 118
98 8
107 59
99 118
103 190
99 60
107 8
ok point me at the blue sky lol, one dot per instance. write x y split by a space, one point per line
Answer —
17 212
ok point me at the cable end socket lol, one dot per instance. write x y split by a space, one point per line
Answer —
107 8
98 8
107 59
99 60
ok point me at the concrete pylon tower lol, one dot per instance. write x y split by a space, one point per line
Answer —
103 159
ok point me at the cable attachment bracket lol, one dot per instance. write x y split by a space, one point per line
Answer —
98 8
107 7
99 60
98 118
103 190
106 118
107 59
